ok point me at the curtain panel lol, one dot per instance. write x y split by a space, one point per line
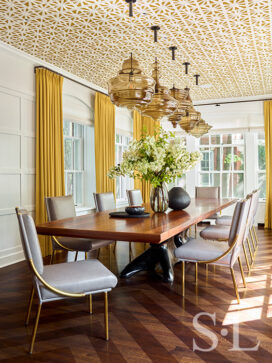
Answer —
143 124
268 157
104 130
49 145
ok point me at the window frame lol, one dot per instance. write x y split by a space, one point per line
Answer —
221 171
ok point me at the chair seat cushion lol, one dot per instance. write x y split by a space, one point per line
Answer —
217 233
83 244
77 277
202 250
226 220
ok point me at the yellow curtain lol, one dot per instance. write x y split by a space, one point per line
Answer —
49 145
104 129
140 124
268 157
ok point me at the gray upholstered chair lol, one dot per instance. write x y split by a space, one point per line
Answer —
220 232
64 280
207 193
61 208
105 202
134 197
217 253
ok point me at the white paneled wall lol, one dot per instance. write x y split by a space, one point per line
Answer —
17 166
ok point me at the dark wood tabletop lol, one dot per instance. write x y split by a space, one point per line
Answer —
156 229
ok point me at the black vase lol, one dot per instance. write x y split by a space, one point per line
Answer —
178 198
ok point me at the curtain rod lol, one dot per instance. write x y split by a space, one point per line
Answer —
70 79
226 102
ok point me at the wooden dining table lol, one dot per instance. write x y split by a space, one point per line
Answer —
157 230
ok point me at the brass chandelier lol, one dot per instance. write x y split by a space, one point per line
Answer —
134 90
131 88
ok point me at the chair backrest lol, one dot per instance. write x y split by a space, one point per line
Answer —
104 201
134 197
256 195
207 192
29 238
238 226
60 207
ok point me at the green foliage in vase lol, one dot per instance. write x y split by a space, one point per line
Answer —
158 159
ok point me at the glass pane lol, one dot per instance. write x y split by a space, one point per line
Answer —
227 139
118 187
205 162
215 180
227 158
67 128
261 157
262 184
78 155
226 185
69 183
78 130
238 158
117 138
215 159
238 185
261 137
204 140
68 154
238 139
204 180
215 139
78 188
181 182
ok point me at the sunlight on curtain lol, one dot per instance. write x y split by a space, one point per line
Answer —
104 128
49 145
268 156
140 124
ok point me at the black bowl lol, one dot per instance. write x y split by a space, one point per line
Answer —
138 210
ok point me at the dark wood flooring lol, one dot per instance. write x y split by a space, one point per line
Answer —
149 320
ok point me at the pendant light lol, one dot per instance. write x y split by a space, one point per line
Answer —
162 104
131 88
180 95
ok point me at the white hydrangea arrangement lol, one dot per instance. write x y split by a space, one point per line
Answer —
158 159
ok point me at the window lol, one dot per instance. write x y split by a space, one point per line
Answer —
122 182
223 163
74 160
261 165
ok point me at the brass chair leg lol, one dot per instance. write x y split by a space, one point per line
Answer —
106 315
196 273
98 253
250 252
52 257
86 255
90 304
246 258
35 329
76 255
242 271
255 234
29 306
183 278
252 240
235 285
195 230
114 247
130 251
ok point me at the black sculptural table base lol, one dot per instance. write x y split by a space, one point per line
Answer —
148 260
156 254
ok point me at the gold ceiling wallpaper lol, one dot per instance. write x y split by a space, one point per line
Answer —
228 42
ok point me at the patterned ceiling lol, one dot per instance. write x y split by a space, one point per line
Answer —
228 42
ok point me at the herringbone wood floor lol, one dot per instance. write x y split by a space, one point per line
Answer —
149 321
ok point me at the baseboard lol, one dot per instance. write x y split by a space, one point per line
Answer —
9 256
